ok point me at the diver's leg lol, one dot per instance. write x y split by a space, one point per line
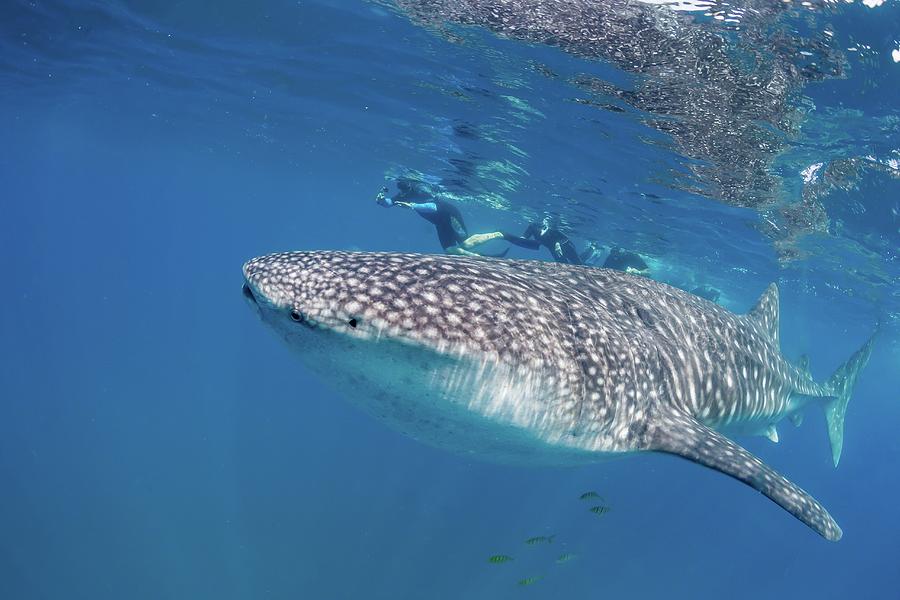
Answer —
458 251
569 253
586 254
480 238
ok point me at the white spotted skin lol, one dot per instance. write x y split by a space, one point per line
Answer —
573 357
539 362
444 348
725 370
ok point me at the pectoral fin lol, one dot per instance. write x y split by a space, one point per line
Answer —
679 434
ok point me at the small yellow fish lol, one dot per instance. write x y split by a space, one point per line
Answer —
599 510
540 539
564 558
529 580
591 496
499 559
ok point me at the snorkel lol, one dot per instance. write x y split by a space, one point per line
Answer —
545 226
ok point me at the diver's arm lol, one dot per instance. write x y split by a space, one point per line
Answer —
423 208
522 242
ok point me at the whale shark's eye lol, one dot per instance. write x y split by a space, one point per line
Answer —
296 316
353 322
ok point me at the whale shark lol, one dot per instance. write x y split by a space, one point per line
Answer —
544 363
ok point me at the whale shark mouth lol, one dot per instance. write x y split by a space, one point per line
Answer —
248 294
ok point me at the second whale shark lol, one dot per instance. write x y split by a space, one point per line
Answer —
548 363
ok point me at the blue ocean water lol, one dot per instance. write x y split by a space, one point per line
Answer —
157 442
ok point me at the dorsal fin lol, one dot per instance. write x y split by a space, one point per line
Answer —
765 312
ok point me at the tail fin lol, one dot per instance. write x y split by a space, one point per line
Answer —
841 383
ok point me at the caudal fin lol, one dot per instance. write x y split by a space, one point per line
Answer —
842 383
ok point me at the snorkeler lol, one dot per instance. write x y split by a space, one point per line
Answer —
618 259
707 291
446 218
554 240
454 236
591 254
626 260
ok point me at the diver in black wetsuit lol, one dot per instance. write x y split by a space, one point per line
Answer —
618 258
707 291
626 260
591 254
455 239
554 240
446 218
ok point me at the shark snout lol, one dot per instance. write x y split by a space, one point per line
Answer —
268 283
259 283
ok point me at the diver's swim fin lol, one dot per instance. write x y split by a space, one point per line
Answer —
677 433
497 255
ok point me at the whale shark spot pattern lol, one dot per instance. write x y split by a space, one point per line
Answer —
551 362
679 434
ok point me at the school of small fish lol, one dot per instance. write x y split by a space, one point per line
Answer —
539 540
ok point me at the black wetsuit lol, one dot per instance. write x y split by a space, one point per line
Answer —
623 259
446 218
708 292
559 245
590 255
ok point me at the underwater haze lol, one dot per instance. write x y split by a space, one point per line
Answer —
156 442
